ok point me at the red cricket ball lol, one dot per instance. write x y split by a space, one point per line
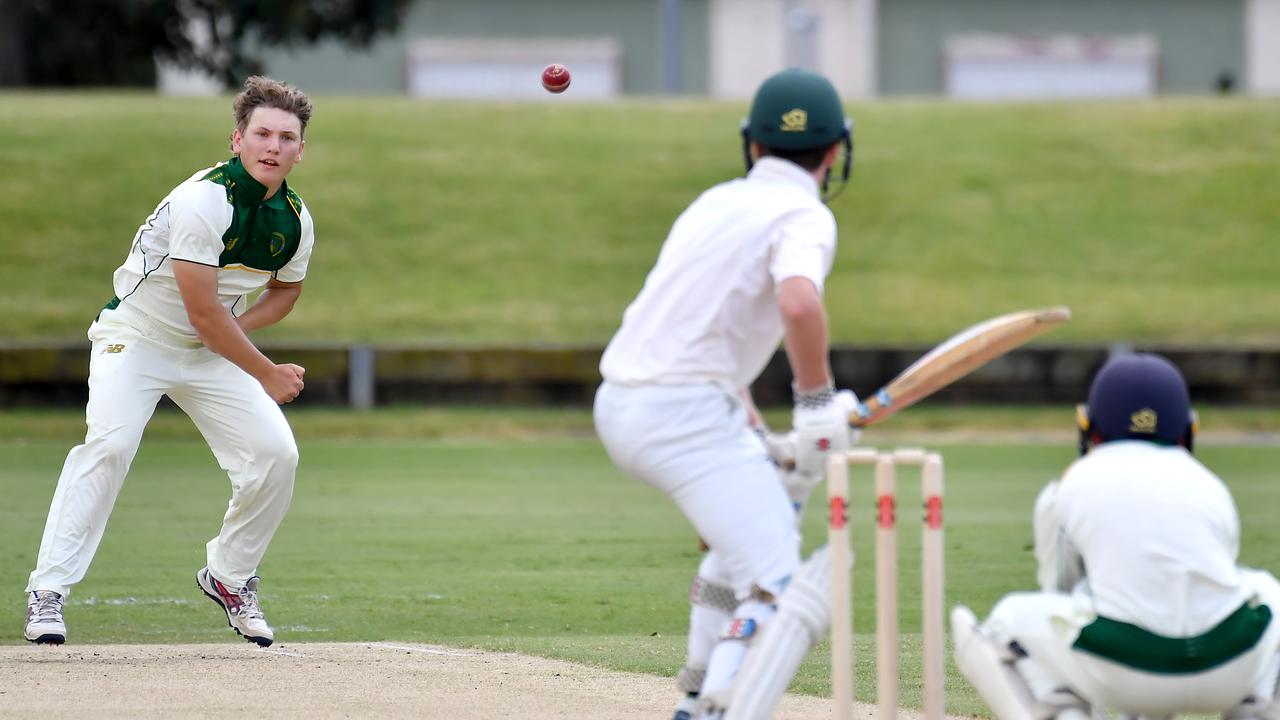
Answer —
555 78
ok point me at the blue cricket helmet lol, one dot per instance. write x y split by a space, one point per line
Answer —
1140 396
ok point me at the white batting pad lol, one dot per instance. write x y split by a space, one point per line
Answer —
802 619
979 660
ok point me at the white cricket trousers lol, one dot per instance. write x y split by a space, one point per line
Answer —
1046 624
134 362
693 443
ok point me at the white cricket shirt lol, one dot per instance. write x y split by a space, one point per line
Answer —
1159 536
217 217
708 311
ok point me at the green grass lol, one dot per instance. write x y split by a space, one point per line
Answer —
537 546
463 223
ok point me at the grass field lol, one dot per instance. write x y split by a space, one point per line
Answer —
528 543
924 423
509 223
456 222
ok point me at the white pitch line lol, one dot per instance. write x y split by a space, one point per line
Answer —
425 651
269 651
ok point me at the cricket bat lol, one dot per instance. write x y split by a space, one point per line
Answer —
958 356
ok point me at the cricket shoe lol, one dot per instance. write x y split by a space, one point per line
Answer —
44 618
687 706
241 606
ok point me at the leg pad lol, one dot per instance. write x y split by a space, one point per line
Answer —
803 616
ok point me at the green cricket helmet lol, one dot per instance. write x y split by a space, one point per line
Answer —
794 111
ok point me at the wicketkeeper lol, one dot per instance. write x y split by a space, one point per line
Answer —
1142 609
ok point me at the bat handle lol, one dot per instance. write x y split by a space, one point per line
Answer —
862 414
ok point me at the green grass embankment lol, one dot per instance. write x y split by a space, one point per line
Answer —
467 223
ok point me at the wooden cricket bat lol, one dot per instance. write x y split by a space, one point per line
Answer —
960 355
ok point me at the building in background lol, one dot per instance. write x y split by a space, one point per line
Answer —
1262 46
870 48
612 46
1178 46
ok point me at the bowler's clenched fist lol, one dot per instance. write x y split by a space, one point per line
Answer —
284 382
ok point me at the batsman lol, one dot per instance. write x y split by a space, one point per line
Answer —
741 270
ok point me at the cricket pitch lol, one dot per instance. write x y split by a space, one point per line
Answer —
337 680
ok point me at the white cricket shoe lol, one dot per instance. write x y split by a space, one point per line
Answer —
241 606
44 618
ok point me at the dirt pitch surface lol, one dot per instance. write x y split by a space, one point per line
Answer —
320 681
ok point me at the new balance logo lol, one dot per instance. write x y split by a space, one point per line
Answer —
113 349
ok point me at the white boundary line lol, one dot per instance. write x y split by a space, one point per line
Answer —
425 651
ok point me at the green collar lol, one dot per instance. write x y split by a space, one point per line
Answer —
249 191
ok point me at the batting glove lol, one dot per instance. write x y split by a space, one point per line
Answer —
820 421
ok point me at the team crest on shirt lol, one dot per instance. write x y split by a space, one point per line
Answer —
277 243
795 121
1143 421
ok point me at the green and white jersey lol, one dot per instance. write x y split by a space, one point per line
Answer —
217 218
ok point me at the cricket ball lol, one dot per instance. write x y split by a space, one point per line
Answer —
555 78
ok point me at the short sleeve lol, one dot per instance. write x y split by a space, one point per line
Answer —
296 269
805 246
197 219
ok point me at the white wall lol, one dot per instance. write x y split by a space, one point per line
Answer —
1262 46
749 42
746 45
864 48
173 80
512 68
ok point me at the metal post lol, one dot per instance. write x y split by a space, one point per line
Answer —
671 45
360 377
